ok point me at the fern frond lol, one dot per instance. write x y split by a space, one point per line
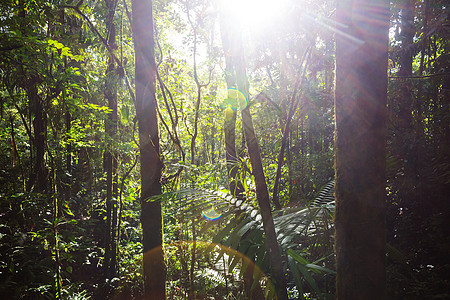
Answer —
211 275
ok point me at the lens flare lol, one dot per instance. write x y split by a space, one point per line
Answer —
236 99
211 214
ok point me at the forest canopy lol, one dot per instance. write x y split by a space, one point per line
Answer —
214 149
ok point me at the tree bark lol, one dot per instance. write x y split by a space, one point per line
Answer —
235 185
406 60
40 137
262 195
151 164
360 110
232 43
110 160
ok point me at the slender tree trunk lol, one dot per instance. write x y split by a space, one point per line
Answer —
110 160
284 140
289 156
151 164
235 184
229 46
58 277
213 143
424 43
68 182
360 107
232 43
114 223
193 261
40 137
15 153
196 116
310 148
302 157
193 151
262 195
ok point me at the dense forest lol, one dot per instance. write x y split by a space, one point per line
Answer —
224 149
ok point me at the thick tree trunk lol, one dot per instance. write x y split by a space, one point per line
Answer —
405 142
151 164
406 60
418 102
360 104
407 35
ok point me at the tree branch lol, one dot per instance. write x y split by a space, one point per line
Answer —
105 43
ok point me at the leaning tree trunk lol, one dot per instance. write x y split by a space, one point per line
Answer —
151 165
360 104
231 49
262 195
235 53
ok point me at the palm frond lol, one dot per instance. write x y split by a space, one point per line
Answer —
325 196
243 229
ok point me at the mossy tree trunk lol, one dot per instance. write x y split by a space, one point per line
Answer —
360 104
151 165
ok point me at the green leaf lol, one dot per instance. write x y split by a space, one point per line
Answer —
319 268
297 277
297 257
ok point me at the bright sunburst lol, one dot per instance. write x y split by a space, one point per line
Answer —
255 14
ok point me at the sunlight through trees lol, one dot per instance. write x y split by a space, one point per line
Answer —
198 149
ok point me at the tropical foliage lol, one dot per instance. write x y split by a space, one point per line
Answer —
70 177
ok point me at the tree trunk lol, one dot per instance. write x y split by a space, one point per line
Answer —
151 164
68 180
39 179
235 184
232 44
230 53
406 60
360 107
110 160
262 195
